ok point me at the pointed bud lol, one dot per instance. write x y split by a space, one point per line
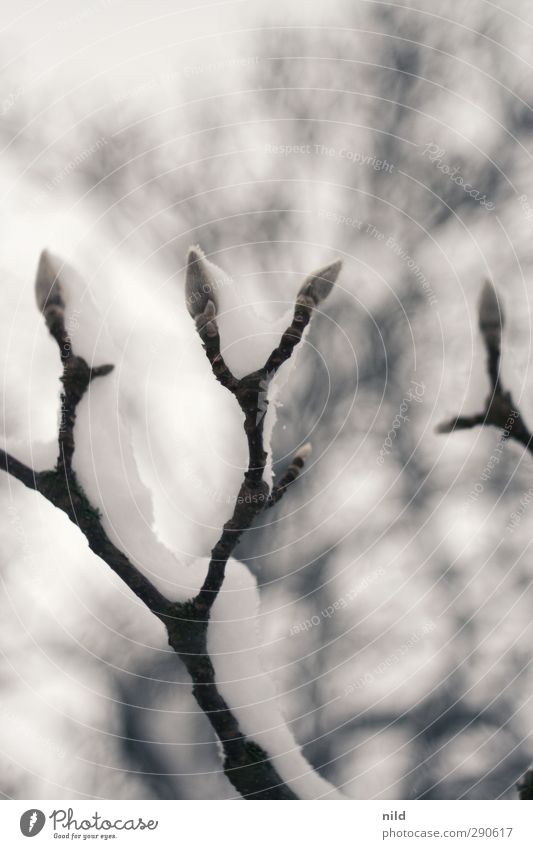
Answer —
199 284
206 320
491 316
318 285
48 292
304 452
101 371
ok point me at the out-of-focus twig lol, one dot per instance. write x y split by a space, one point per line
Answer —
500 410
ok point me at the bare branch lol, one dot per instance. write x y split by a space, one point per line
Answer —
202 305
460 423
246 764
18 470
491 322
315 288
500 410
251 393
77 374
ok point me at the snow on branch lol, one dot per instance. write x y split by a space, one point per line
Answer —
251 393
246 764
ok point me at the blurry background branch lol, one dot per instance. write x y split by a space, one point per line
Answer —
500 409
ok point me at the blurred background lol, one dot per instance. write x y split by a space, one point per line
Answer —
395 577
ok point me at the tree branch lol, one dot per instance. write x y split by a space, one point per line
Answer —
246 764
17 469
500 410
251 393
293 472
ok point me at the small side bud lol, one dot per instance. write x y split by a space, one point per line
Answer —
491 316
304 452
47 287
199 284
318 285
101 371
205 321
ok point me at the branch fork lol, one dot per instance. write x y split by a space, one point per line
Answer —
246 764
500 409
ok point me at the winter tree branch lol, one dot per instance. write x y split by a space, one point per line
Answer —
500 411
251 394
246 764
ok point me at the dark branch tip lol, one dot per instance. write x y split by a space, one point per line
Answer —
101 371
491 314
199 284
48 293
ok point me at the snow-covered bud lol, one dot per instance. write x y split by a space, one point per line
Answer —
199 286
205 321
304 452
48 292
318 285
491 316
49 295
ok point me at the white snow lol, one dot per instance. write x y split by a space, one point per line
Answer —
235 645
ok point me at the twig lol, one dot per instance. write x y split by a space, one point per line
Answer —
246 764
500 410
251 393
292 473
